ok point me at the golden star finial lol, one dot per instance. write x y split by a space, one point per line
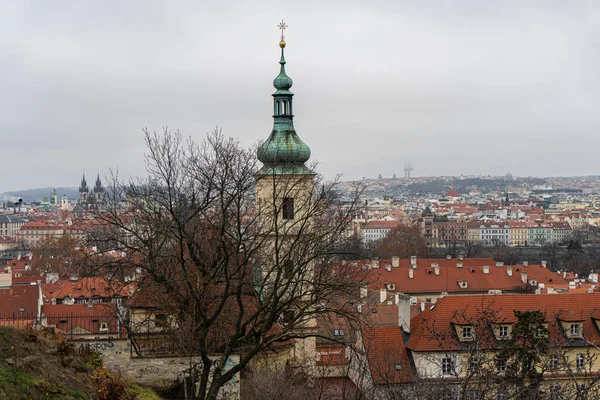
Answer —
282 25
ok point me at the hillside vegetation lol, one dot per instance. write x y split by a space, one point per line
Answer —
41 365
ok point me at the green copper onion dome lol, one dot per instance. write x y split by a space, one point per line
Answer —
282 82
283 152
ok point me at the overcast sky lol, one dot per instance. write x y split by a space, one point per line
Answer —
454 87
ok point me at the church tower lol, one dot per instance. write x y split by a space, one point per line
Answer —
99 190
284 194
83 190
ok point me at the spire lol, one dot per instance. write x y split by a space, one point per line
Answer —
83 186
283 152
98 187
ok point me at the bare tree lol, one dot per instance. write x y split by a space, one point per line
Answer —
239 274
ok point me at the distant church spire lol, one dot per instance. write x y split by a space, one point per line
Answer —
98 187
283 152
83 187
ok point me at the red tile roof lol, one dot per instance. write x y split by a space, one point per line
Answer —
500 309
90 287
425 279
387 356
17 298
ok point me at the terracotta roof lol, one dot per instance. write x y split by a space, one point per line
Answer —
387 356
19 300
382 225
78 318
450 275
90 287
382 314
331 354
500 309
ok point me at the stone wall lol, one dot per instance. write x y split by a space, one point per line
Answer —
159 372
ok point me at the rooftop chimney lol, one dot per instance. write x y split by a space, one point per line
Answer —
486 269
375 262
461 257
382 295
413 261
448 257
524 277
459 264
395 261
509 271
436 268
410 273
363 291
388 268
404 312
544 264
525 263
499 264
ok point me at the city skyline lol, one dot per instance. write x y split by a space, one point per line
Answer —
452 89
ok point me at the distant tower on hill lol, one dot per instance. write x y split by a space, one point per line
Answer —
407 170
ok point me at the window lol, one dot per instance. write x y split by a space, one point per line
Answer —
574 330
501 364
474 365
288 269
503 332
338 332
288 316
580 360
541 331
556 392
160 321
467 332
288 208
447 366
554 361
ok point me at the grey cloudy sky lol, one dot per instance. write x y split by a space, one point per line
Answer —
462 86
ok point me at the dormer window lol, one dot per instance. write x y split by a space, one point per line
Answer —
467 333
503 332
575 330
